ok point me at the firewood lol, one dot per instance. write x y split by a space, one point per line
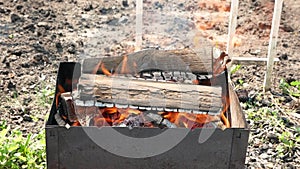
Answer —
184 60
124 91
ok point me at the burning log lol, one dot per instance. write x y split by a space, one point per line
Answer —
168 60
149 93
67 107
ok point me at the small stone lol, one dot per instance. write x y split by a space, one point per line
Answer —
26 100
25 65
283 57
256 52
19 7
123 20
113 22
16 52
30 27
72 49
26 117
38 57
88 7
2 10
125 3
285 45
264 147
24 89
272 138
11 85
242 95
265 102
270 151
288 28
252 159
289 166
264 156
288 159
15 18
59 47
43 24
158 5
269 165
31 73
12 58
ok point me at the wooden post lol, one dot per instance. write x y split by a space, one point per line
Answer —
139 25
231 29
232 25
272 43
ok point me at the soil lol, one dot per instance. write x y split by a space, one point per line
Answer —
36 35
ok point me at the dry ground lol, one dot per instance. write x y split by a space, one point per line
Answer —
35 35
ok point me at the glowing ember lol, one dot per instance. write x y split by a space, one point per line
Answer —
136 118
189 120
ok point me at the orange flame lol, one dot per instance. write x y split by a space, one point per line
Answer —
226 104
76 123
125 67
102 67
104 70
115 116
189 120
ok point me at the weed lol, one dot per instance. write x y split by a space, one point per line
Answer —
287 143
288 137
10 36
235 68
17 151
292 88
45 96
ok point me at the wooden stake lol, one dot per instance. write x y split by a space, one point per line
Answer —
139 25
232 25
272 43
250 60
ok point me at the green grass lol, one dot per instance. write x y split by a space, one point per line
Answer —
288 135
20 151
45 95
17 151
292 88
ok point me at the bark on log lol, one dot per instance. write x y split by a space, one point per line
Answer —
149 93
184 60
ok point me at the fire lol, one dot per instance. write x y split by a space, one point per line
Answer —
104 70
117 116
189 120
113 116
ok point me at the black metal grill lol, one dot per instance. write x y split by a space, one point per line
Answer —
73 147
